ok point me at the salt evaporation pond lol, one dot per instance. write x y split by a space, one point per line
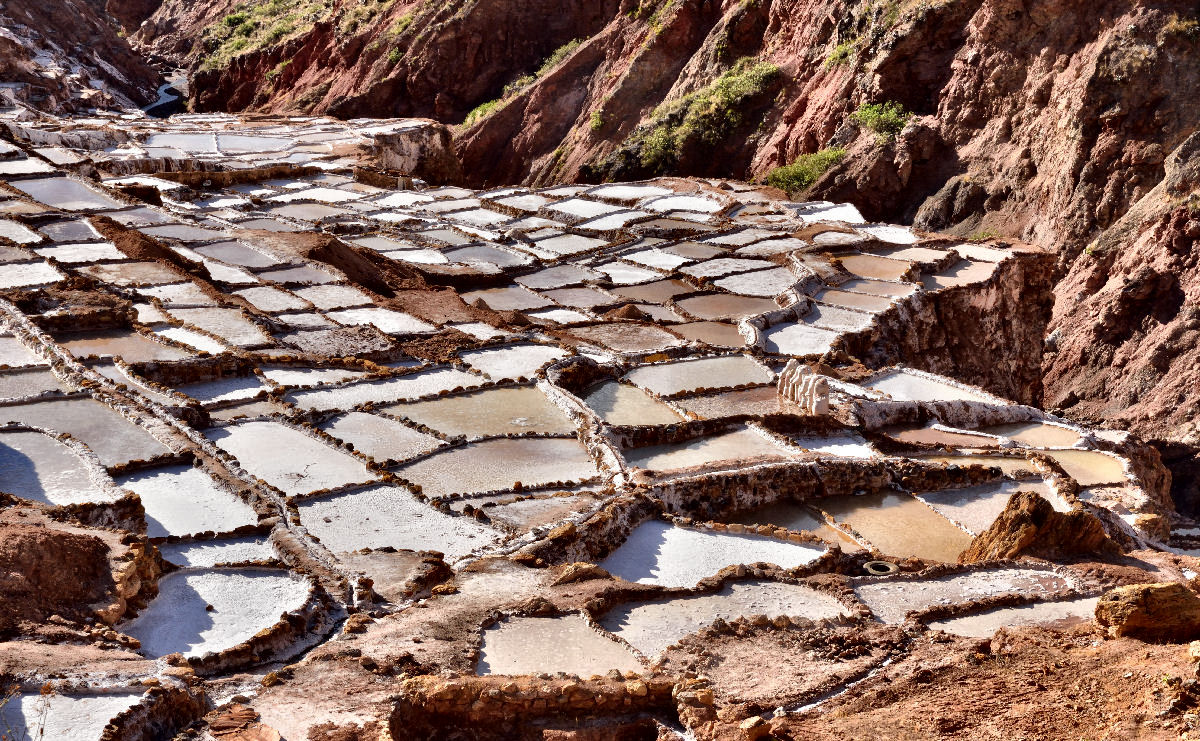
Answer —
22 384
499 464
1045 614
208 553
288 459
497 411
128 345
112 437
977 507
798 517
383 516
379 437
667 379
736 446
1036 434
891 599
899 525
36 717
536 645
656 552
65 193
40 468
840 446
182 500
416 385
622 404
512 362
651 627
15 354
243 602
1090 467
904 385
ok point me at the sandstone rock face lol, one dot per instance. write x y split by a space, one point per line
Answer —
1030 526
1152 612
54 63
425 152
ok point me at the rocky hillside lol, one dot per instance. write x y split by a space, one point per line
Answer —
66 56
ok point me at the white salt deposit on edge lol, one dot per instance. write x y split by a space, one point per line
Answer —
244 601
289 459
659 553
536 645
182 500
513 361
207 553
985 624
389 516
62 717
652 626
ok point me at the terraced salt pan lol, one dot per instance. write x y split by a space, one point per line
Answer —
57 717
628 337
1045 614
622 404
612 221
725 306
288 459
230 325
622 274
510 298
962 273
298 275
874 266
1036 434
568 244
184 233
178 294
899 525
1012 466
21 384
385 320
628 193
842 446
243 602
20 275
724 266
113 438
42 469
499 464
224 389
182 500
381 438
659 553
657 258
667 379
498 411
536 645
266 298
580 298
81 253
936 435
1090 467
558 276
684 203
18 233
799 339
414 386
731 447
891 599
208 553
513 361
65 193
192 339
904 385
384 516
716 334
651 627
302 377
236 253
15 354
798 517
763 283
977 507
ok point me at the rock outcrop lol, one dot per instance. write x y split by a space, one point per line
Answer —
1167 612
1030 526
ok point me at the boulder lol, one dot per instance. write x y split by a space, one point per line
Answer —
1168 612
1030 526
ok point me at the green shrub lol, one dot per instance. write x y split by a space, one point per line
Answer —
233 20
841 53
482 111
805 170
1177 26
560 54
885 119
597 121
394 56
